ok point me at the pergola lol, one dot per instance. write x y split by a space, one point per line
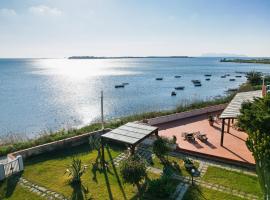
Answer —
130 134
233 109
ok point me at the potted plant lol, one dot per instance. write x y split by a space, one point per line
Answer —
211 120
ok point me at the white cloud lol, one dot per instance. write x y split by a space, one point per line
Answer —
7 12
45 10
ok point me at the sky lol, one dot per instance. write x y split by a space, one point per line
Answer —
62 28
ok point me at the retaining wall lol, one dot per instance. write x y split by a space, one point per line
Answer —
48 147
182 115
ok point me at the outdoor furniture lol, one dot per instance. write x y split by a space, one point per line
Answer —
188 136
202 137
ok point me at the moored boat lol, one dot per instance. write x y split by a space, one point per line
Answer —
180 88
224 76
208 75
207 79
197 84
159 79
119 86
173 93
196 81
238 76
232 79
177 76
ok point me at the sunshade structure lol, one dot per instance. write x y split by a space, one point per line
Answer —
232 111
131 134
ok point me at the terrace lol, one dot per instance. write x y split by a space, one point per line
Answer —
234 147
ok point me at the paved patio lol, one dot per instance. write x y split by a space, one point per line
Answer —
234 147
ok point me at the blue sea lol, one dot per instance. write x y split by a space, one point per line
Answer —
39 95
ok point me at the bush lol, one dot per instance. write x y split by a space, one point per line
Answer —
254 78
161 148
75 170
160 188
133 171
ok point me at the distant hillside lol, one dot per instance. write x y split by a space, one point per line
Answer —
222 55
255 61
122 57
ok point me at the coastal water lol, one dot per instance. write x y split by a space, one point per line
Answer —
49 94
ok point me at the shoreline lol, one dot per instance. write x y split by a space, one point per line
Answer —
253 61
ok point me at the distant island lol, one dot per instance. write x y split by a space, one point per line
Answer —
122 57
255 61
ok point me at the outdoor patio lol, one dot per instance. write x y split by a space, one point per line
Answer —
234 147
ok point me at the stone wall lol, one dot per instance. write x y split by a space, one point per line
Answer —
182 115
48 147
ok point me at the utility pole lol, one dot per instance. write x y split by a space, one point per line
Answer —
102 116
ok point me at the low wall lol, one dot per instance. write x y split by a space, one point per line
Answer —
181 115
48 147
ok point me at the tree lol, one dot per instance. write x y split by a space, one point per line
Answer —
161 148
75 171
95 144
133 171
254 78
255 120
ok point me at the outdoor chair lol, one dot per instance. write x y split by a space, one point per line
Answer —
202 137
189 136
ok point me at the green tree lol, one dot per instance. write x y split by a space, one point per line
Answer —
254 78
75 171
133 171
161 149
255 120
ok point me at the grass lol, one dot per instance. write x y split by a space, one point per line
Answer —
10 190
200 193
47 137
48 171
232 179
180 162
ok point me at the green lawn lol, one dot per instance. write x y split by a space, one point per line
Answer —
200 193
48 170
180 162
10 190
232 179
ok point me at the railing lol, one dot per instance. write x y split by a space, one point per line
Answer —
11 167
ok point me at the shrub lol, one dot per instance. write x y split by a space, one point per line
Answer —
133 171
254 78
161 148
160 188
75 170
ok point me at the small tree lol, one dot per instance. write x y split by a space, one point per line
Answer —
255 120
133 171
95 144
75 170
161 149
254 78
